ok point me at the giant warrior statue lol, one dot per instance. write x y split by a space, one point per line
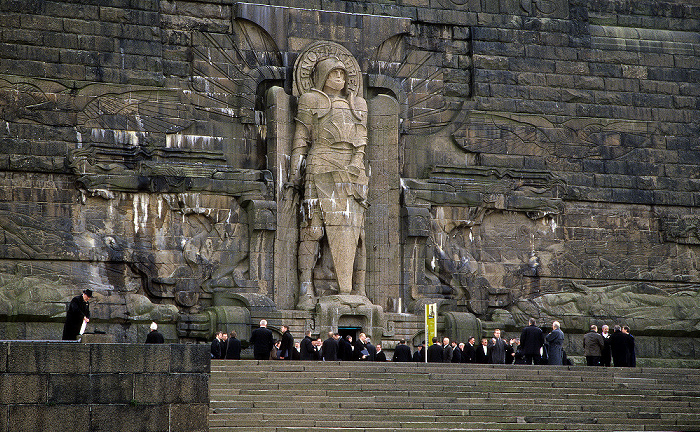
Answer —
328 153
327 173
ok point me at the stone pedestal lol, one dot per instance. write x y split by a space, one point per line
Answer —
350 311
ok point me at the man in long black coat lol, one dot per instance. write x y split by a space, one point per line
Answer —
456 353
619 347
482 352
497 348
631 351
402 353
262 341
419 355
78 312
531 341
329 349
287 344
307 350
435 352
233 347
218 346
469 351
345 348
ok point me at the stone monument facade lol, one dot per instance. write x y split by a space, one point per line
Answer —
193 164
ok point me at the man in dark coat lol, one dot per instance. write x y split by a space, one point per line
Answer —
379 355
531 341
233 347
329 349
345 348
78 312
287 344
365 350
469 351
435 352
446 351
631 351
456 353
402 353
482 352
307 350
619 347
262 341
497 348
555 345
419 355
216 345
154 336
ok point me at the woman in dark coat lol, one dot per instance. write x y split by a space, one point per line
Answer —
77 313
555 340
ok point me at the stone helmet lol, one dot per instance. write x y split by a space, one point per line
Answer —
324 68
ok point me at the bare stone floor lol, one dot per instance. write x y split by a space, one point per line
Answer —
249 396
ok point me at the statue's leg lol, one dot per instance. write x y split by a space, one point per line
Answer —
360 266
309 244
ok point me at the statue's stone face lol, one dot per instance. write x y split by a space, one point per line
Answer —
336 79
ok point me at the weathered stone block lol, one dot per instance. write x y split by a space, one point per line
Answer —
44 357
23 389
69 389
171 388
127 418
115 358
189 418
190 358
58 418
111 388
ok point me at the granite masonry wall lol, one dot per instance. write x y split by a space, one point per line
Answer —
546 165
48 386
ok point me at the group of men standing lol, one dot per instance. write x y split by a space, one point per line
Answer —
533 347
225 346
336 347
600 348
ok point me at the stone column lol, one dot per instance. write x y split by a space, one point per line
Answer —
383 278
280 130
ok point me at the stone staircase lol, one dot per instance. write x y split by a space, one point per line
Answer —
284 396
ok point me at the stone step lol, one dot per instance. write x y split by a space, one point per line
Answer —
411 385
325 396
498 415
313 406
582 393
516 370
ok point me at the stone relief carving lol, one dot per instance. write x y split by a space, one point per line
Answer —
27 296
642 306
463 211
681 230
540 135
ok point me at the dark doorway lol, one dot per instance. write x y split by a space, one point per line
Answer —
349 331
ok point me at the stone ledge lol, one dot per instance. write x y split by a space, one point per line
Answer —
67 386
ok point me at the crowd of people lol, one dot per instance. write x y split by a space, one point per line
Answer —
534 346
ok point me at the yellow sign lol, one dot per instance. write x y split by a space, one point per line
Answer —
430 326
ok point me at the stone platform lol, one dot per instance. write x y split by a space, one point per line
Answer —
80 387
250 396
